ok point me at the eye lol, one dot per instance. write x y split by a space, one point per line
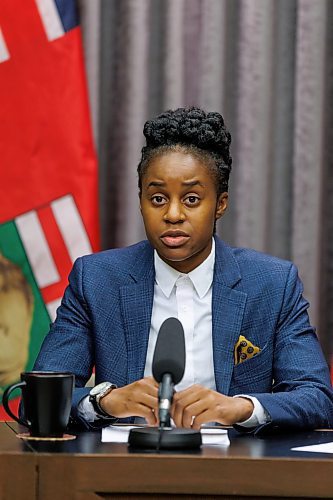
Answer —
192 200
158 200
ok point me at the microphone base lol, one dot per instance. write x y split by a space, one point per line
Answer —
172 439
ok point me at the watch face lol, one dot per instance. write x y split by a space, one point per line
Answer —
99 388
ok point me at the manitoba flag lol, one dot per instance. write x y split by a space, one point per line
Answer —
48 172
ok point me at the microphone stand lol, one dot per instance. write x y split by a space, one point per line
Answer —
165 437
165 395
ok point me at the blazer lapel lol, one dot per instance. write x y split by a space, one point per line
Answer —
136 306
228 307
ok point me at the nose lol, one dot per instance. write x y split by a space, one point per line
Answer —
174 212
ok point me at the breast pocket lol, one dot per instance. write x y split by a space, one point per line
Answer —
254 374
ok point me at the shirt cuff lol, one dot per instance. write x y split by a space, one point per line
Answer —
259 415
86 410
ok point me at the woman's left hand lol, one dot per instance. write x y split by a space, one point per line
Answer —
197 405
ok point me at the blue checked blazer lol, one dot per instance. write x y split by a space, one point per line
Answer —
104 321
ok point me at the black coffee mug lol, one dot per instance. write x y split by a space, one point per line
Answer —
47 399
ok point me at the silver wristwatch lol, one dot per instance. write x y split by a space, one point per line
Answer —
96 394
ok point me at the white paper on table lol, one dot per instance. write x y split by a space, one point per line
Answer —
316 448
214 436
119 434
116 434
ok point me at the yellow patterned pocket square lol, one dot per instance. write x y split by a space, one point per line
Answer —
244 349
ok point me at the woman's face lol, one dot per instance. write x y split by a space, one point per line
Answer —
179 206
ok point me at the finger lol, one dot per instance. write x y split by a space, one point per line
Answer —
202 418
146 385
192 411
193 389
192 403
147 413
223 410
184 399
180 409
150 401
124 401
151 418
191 394
155 421
151 381
143 392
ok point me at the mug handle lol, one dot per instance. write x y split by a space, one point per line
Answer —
5 398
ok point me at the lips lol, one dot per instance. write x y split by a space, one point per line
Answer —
174 239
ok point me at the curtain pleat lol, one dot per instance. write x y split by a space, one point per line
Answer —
254 122
308 146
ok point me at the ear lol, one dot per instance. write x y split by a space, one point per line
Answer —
221 205
140 208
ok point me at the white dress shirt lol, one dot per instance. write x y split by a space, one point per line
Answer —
189 298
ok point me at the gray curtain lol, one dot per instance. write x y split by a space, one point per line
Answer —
266 65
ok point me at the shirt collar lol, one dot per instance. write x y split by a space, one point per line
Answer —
201 277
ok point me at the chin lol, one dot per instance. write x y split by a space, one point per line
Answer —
175 256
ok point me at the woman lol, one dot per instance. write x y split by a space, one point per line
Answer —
252 357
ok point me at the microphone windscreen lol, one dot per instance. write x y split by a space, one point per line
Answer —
169 354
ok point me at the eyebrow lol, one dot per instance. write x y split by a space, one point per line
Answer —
156 183
186 183
193 183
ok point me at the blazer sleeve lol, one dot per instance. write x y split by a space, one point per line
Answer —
302 395
68 346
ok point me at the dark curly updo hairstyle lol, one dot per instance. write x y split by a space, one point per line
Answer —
193 131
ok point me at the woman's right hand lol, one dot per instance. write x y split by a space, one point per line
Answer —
139 399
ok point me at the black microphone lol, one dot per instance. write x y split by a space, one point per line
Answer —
168 369
168 364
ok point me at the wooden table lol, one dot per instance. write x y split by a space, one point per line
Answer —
249 467
18 464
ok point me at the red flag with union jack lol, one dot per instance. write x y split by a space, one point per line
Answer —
48 182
